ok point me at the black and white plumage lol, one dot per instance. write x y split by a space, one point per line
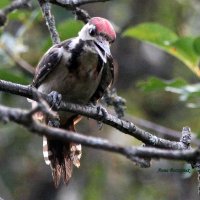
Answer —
80 69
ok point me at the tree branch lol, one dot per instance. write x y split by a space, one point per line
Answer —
73 5
24 118
70 4
94 113
81 15
50 21
15 5
161 130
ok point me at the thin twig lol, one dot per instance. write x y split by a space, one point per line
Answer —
50 21
15 5
161 130
73 5
69 4
81 15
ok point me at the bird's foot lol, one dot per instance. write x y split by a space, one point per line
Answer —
54 123
111 98
55 99
92 104
101 111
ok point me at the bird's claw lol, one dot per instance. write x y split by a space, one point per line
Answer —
102 111
54 123
111 98
55 99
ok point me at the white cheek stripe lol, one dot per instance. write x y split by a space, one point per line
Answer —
84 33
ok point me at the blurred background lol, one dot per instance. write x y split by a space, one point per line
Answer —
102 175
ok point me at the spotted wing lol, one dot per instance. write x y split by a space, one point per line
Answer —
47 64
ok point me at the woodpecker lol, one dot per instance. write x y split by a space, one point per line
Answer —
78 70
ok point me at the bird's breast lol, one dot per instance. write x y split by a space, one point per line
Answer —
76 83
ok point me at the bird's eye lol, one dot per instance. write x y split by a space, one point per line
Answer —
92 31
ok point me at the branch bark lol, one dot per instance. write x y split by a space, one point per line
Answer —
161 130
24 118
70 4
94 113
15 5
50 21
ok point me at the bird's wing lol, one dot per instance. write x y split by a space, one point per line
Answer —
106 80
47 64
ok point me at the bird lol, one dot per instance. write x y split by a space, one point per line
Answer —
77 70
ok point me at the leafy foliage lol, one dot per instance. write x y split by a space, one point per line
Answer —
186 49
4 3
154 83
186 92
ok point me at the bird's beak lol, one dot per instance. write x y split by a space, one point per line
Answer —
103 49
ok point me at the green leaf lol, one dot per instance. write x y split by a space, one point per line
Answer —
154 84
186 49
197 45
22 16
153 33
183 49
188 92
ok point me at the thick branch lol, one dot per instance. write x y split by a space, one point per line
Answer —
24 118
97 114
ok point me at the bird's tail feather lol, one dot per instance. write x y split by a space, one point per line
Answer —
61 156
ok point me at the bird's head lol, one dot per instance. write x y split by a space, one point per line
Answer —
100 31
